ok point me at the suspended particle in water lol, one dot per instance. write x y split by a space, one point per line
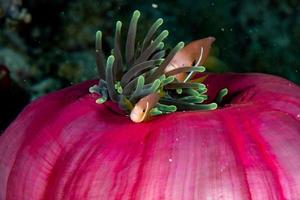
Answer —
154 5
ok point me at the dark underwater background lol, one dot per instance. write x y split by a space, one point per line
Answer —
46 45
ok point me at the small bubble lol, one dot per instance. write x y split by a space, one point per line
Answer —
176 139
154 5
298 116
170 160
222 29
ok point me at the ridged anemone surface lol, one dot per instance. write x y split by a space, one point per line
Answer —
64 146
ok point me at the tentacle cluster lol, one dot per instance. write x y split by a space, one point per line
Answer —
138 70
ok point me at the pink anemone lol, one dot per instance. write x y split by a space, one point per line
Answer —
64 146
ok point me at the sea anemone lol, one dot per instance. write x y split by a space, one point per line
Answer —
64 146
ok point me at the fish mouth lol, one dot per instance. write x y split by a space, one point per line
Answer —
139 114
